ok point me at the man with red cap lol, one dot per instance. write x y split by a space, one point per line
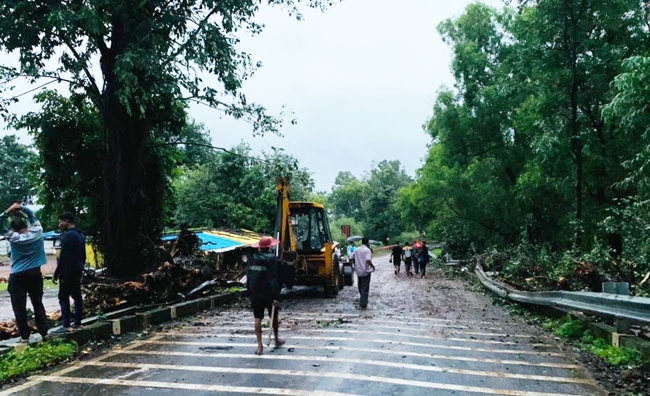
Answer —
264 288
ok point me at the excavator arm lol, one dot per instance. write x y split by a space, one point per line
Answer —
283 231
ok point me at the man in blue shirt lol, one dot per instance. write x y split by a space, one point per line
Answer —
69 271
27 257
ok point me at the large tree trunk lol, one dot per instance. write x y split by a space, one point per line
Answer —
131 222
571 44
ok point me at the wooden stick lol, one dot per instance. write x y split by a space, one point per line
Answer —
272 321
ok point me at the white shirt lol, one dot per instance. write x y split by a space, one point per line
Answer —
361 256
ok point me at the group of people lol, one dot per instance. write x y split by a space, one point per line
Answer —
27 254
416 256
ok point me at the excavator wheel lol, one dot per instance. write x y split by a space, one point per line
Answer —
333 289
348 275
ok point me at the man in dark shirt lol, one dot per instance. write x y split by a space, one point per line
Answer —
396 257
423 256
264 288
69 270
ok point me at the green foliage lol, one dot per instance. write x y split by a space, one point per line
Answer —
348 196
15 186
372 200
15 364
542 140
135 66
566 327
622 356
234 190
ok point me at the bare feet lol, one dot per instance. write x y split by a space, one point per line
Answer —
260 351
279 342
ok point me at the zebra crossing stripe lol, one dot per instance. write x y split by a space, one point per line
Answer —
300 373
392 334
368 323
405 366
182 386
380 351
393 342
374 326
70 368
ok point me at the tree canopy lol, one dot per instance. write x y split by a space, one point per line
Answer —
541 139
136 65
15 185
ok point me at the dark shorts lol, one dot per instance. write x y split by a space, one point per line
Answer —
397 261
260 306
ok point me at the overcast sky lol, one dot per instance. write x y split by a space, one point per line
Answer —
361 79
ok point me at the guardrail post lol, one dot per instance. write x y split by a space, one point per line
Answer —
622 288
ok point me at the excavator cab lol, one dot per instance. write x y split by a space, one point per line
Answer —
310 226
306 248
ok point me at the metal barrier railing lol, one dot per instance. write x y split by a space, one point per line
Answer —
616 306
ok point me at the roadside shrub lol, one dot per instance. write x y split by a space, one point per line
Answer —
14 363
622 356
565 327
569 328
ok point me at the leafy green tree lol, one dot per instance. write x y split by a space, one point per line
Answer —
381 216
520 151
348 195
138 64
235 190
15 185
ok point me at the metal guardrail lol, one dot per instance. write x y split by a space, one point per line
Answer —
634 309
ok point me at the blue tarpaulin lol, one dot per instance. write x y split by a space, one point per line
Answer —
50 235
211 242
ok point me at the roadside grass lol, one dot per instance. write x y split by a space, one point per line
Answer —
47 284
566 327
18 363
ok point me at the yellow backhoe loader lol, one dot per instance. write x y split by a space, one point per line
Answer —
306 250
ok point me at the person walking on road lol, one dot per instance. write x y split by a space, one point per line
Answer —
416 258
264 288
351 248
423 255
69 270
407 256
363 267
27 257
396 258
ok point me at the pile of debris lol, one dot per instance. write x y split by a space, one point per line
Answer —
184 269
185 272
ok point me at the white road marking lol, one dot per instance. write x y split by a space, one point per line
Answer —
364 324
416 344
406 366
413 319
392 334
369 350
72 367
416 319
294 373
197 387
400 328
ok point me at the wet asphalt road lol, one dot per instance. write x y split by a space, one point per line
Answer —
417 337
